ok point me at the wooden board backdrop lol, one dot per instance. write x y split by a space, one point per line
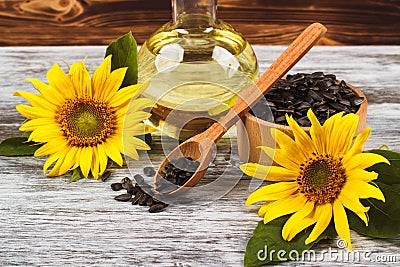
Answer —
268 22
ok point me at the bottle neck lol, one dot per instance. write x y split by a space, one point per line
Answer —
194 12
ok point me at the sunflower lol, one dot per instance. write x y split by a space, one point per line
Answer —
317 177
80 120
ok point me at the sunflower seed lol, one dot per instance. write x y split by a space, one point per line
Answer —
106 175
322 93
156 208
116 186
143 199
357 101
127 184
139 179
124 197
149 171
149 202
136 198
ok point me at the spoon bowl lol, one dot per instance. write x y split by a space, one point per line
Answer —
200 147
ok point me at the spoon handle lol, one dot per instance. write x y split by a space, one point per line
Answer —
251 94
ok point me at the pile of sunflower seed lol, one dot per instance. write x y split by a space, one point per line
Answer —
136 194
296 94
174 174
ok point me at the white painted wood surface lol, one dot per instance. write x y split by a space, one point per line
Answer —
48 222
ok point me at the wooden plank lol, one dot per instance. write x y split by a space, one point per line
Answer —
48 222
74 22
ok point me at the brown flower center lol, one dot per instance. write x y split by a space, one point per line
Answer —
86 122
321 178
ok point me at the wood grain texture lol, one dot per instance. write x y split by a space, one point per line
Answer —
267 22
48 222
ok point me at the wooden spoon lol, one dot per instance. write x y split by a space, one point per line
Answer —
201 146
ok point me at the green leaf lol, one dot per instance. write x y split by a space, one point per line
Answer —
384 217
268 238
76 175
18 146
124 54
391 205
388 174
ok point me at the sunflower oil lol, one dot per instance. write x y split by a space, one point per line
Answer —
195 74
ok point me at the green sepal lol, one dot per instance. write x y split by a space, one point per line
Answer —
76 175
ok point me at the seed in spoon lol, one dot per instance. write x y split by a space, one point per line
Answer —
178 172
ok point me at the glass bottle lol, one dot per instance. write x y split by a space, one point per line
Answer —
196 65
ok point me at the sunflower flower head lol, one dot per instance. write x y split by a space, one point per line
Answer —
80 119
317 177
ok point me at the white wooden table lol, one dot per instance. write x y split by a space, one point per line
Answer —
48 222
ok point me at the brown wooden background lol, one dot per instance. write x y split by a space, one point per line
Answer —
94 22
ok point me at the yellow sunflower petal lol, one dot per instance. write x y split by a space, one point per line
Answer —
272 192
135 118
50 160
269 173
60 81
140 104
301 137
263 209
328 130
352 203
36 100
36 123
284 206
113 83
345 133
80 79
358 145
359 174
78 158
124 95
148 129
282 138
316 132
298 222
44 134
86 160
55 171
137 129
286 160
34 112
51 147
47 91
132 153
341 223
363 217
363 160
131 92
136 143
95 163
362 190
69 160
113 153
323 216
100 76
289 146
103 158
